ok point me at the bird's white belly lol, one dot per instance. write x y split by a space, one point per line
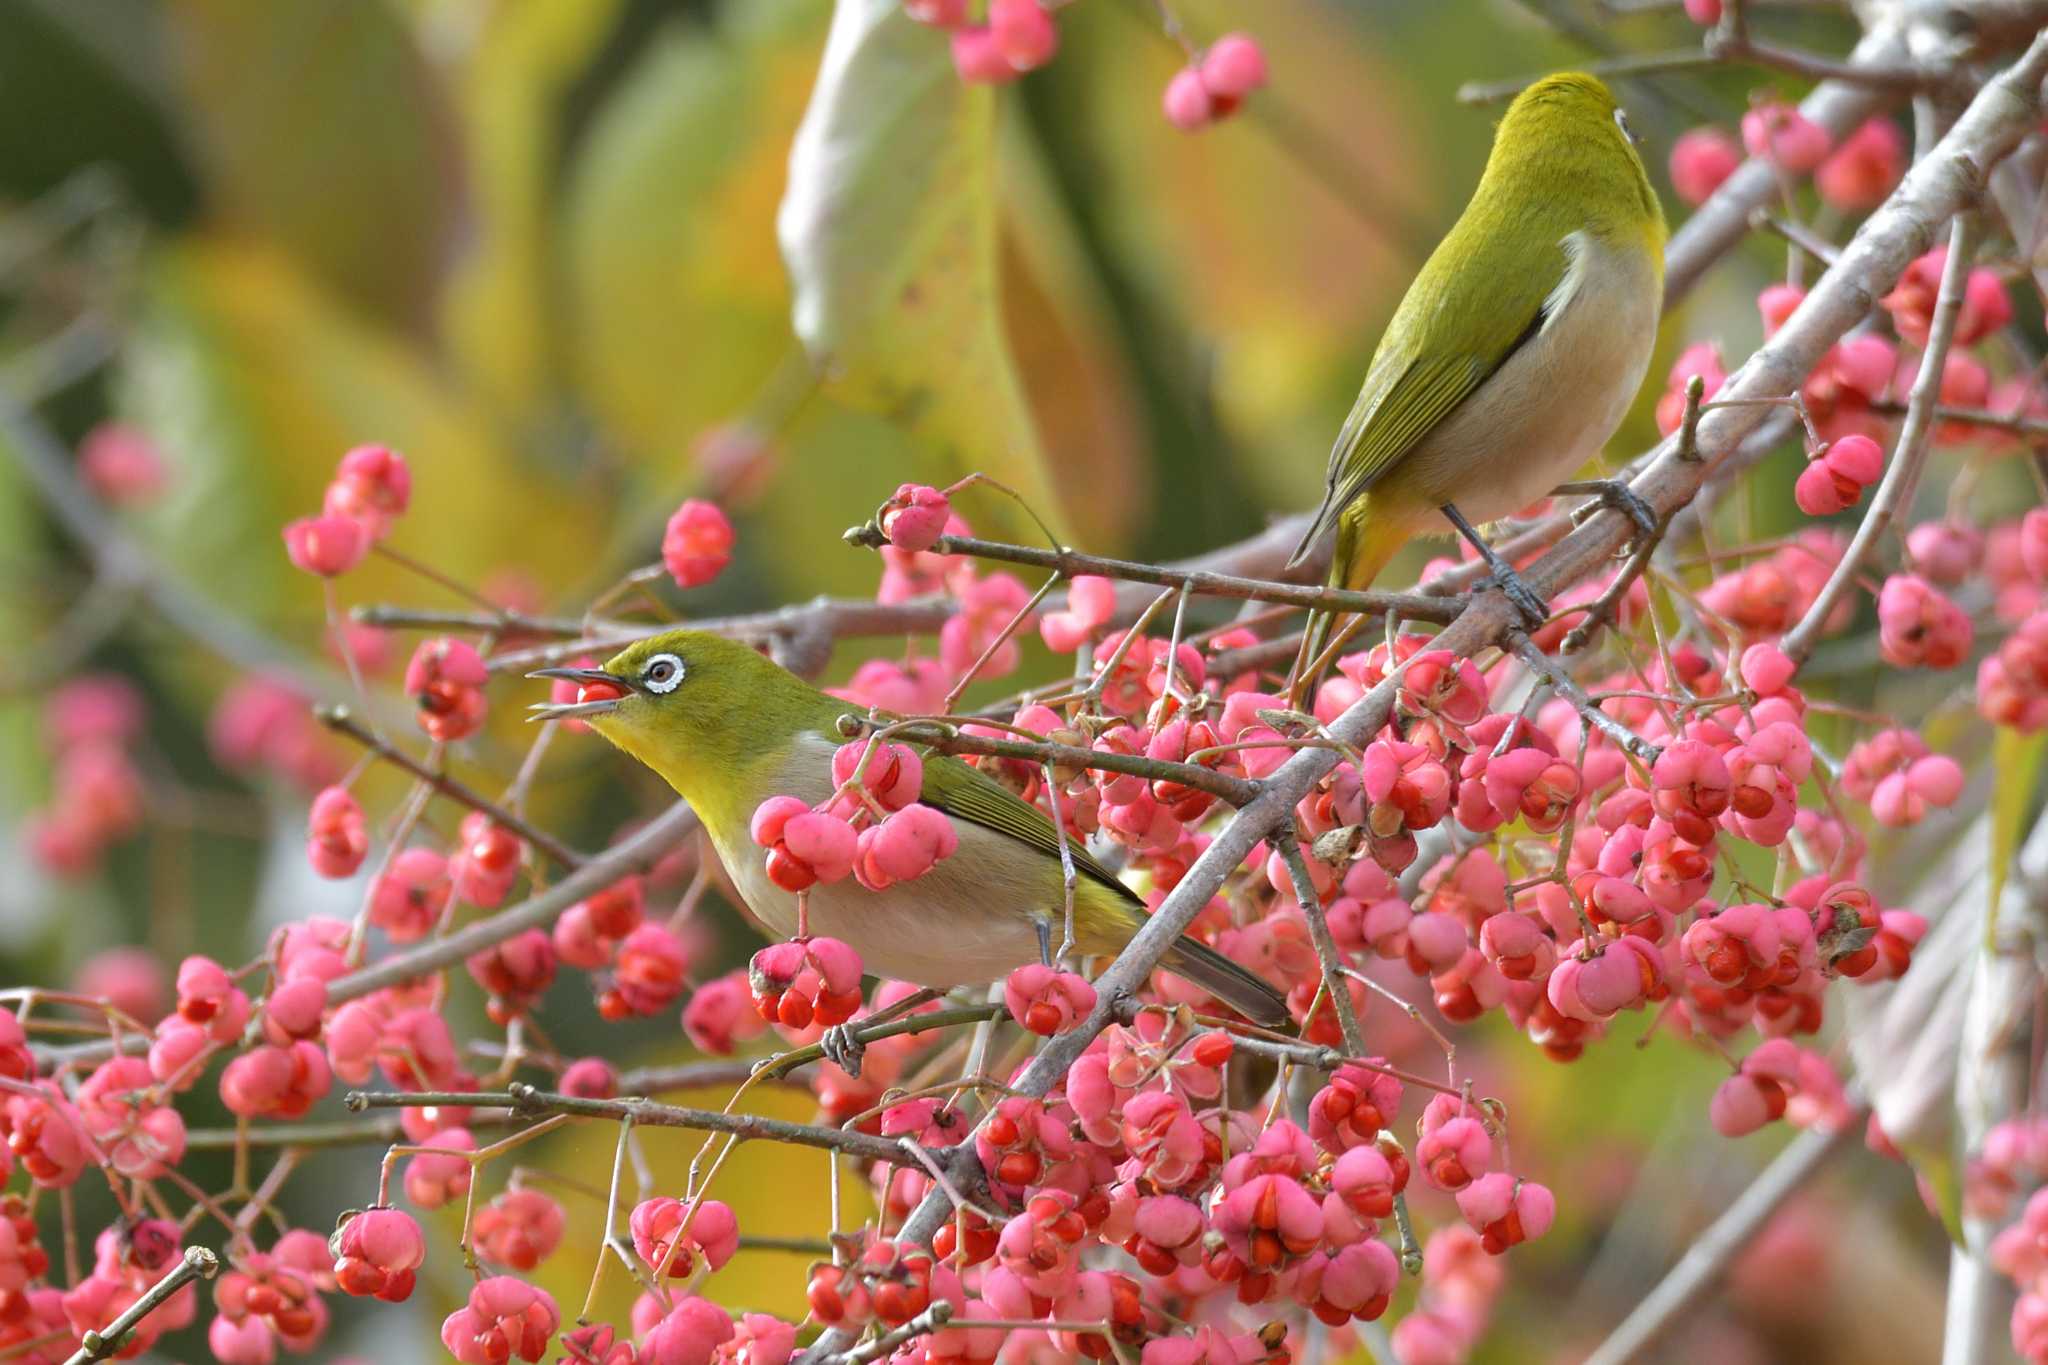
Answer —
1555 402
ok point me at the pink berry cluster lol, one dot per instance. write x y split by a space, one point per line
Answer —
1018 36
371 489
872 826
98 797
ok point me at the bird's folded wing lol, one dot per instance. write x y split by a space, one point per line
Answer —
1456 326
966 793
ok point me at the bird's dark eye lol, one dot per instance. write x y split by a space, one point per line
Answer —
663 673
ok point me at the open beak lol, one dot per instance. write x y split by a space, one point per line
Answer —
577 710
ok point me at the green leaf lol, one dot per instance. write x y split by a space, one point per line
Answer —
2016 759
888 227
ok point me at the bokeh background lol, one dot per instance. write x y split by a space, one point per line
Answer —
531 243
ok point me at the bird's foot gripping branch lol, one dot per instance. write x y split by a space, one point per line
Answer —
1135 1002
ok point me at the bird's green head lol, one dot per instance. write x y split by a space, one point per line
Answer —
701 710
1566 134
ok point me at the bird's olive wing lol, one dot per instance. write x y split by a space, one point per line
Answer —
966 793
1471 308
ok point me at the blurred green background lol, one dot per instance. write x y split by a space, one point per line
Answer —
532 244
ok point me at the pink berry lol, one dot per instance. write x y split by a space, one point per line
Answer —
915 517
1865 168
327 546
697 544
1701 159
1187 101
1233 67
978 57
1779 133
1023 32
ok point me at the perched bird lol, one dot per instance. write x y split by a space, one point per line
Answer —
728 728
1515 352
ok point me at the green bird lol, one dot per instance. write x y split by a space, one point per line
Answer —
1514 354
728 728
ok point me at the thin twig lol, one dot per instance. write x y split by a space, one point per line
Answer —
342 721
530 1100
197 1264
1710 1253
1334 985
1902 475
1202 582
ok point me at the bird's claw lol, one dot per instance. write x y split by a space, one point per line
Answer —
843 1049
1618 495
1534 610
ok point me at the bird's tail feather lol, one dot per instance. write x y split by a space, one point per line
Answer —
1235 986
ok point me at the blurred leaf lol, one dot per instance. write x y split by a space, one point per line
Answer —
83 86
255 381
498 309
1278 241
2015 791
321 127
677 308
889 230
1064 337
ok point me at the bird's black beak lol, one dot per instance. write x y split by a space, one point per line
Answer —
576 710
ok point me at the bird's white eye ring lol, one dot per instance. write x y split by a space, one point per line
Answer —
663 674
1621 122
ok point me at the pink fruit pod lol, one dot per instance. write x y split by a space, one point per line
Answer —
904 846
1506 1210
939 14
1701 158
327 546
1742 1104
1865 168
1187 103
1045 1000
1818 493
506 1318
373 485
337 839
978 58
1233 67
915 516
697 544
1766 669
1023 32
1779 133
1454 1153
1858 459
293 1010
893 774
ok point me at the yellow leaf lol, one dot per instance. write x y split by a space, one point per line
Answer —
321 128
498 308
